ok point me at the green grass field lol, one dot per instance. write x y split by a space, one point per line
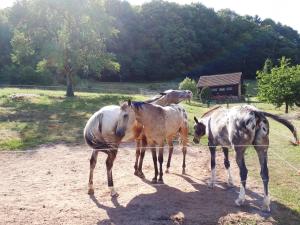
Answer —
52 118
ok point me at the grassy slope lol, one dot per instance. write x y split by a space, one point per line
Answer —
53 118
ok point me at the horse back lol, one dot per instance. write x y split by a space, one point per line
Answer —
243 124
175 118
101 125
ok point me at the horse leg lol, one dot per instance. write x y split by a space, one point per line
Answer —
264 173
154 157
109 164
243 174
212 166
183 161
143 149
227 166
171 147
161 160
184 138
137 156
93 162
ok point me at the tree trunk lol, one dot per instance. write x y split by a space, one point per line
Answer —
70 91
286 107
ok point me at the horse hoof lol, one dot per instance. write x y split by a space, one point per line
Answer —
265 209
230 184
239 202
266 205
160 181
91 191
183 171
140 174
114 195
113 192
154 181
167 170
211 185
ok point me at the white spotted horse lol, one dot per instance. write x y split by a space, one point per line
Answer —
239 127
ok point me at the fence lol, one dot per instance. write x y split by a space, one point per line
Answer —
103 88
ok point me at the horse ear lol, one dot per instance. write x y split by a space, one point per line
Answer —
129 102
196 120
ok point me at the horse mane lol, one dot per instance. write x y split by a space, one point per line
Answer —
155 98
138 105
210 111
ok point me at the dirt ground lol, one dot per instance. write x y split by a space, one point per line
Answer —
49 186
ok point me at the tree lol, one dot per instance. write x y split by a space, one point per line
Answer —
281 85
22 50
113 40
70 35
268 66
5 37
188 84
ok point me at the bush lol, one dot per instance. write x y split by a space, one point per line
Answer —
188 84
24 75
6 74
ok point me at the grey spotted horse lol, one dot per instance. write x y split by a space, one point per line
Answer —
239 127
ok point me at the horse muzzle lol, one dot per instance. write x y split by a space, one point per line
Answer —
120 133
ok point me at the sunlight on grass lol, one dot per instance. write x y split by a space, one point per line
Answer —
50 117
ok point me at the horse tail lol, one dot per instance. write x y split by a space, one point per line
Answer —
94 143
92 125
285 122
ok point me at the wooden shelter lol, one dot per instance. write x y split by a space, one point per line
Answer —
229 84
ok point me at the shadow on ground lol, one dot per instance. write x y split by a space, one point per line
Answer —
169 205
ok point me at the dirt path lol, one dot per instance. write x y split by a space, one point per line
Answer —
49 186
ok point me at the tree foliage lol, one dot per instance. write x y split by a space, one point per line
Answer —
188 84
159 40
280 85
65 35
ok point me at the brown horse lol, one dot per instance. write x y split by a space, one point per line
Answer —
159 124
240 127
164 99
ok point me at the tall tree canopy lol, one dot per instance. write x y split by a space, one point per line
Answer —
113 40
66 35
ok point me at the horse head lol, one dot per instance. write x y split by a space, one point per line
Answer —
199 130
126 120
177 96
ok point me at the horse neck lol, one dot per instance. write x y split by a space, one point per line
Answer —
168 100
161 101
205 120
